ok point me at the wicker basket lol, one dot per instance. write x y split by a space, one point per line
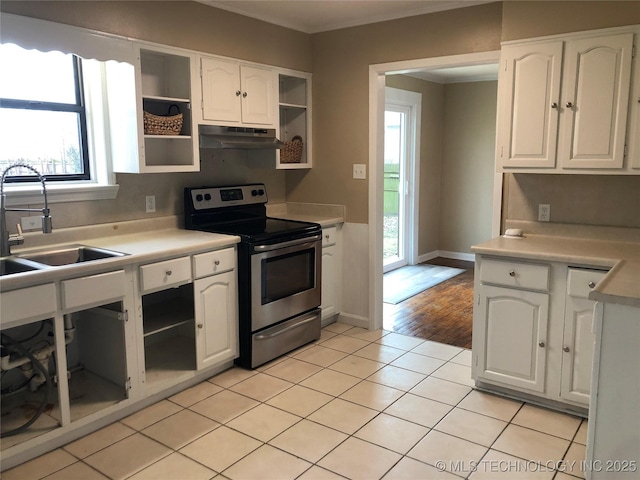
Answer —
163 124
292 151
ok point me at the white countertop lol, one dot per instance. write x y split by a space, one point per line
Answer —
141 247
622 283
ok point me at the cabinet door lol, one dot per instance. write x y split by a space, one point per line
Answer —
577 350
513 337
528 115
329 281
595 102
221 95
216 319
259 95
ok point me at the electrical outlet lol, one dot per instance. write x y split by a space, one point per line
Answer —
31 223
544 212
151 203
359 171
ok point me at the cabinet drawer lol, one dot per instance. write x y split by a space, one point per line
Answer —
170 273
33 302
329 236
580 281
515 274
210 263
93 290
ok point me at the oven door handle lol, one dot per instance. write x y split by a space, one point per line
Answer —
284 330
277 246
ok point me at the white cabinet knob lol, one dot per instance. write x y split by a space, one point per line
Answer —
216 263
566 349
541 344
591 284
200 325
512 273
168 273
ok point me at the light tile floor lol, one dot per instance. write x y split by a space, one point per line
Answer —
355 404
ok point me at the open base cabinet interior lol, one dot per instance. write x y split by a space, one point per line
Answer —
89 376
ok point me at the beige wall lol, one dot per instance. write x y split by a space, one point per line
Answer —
575 199
527 19
341 62
197 27
467 165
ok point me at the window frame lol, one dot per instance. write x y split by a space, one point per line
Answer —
79 107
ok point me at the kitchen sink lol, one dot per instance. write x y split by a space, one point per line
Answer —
11 265
70 254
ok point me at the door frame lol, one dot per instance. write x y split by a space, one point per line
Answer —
377 85
413 101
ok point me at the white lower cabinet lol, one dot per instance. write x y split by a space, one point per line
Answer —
578 337
331 274
532 329
188 325
216 313
515 336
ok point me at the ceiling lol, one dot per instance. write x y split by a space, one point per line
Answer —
313 16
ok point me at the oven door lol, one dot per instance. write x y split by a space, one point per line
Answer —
285 280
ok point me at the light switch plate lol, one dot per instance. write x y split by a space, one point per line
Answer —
359 171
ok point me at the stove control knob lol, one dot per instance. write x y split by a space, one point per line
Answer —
254 193
207 196
261 192
198 198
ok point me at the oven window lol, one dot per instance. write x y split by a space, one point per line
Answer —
286 275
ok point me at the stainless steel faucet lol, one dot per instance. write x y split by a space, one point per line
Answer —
7 240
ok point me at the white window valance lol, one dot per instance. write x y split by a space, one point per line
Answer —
31 33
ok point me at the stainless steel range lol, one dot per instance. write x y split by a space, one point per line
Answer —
279 268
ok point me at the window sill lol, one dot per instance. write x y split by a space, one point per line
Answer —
19 195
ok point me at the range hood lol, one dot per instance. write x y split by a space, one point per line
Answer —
214 136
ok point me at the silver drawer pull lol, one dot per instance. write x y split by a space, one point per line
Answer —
591 284
512 273
168 273
541 344
566 349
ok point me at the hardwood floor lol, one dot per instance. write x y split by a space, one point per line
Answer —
443 313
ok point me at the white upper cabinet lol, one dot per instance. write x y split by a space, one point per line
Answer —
595 102
564 105
163 92
530 82
233 93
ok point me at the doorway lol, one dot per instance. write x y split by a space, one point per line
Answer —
376 149
401 144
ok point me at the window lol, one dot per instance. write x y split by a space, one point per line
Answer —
43 119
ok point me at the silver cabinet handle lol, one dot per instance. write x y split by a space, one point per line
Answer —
168 273
541 344
591 285
566 349
554 105
569 105
512 273
238 92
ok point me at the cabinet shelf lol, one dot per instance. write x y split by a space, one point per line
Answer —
168 137
157 98
292 106
164 316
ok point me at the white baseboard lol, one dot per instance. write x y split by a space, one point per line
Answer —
355 320
470 257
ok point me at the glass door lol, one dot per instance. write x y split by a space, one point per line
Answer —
395 172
